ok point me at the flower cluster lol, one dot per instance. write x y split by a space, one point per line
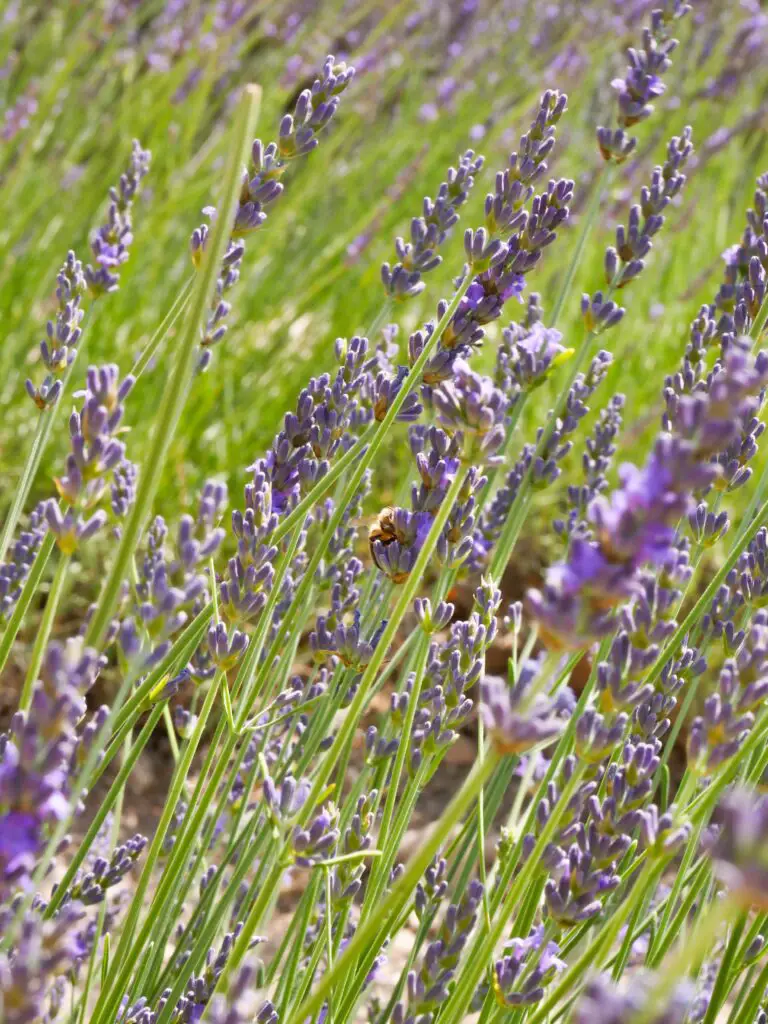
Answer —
46 952
499 265
523 715
622 775
170 586
428 987
637 524
20 560
527 353
539 462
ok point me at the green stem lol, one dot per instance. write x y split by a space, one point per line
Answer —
44 631
247 686
707 596
212 926
114 840
485 943
175 394
759 322
756 997
29 589
354 711
47 420
723 981
562 750
28 473
593 955
377 436
661 932
123 965
590 215
689 953
150 349
367 934
402 606
380 872
114 794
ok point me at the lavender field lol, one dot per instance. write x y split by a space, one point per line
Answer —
384 512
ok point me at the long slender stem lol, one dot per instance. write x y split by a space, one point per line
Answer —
47 421
113 795
351 720
756 996
707 595
689 952
122 965
592 956
404 603
486 942
28 591
27 476
44 630
177 309
175 394
723 980
398 895
590 215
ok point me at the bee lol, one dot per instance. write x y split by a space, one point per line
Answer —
383 530
383 527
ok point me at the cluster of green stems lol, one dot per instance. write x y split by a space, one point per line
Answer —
258 856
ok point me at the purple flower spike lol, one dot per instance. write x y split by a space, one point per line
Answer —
526 968
297 136
110 244
602 1002
475 410
226 650
739 846
395 539
642 82
95 457
637 525
523 715
45 953
428 232
21 557
38 759
429 987
318 841
59 348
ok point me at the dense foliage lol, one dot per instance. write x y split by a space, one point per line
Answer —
558 469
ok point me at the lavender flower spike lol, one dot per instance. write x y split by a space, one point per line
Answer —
638 524
642 83
428 232
474 410
110 242
740 846
521 716
57 351
603 1002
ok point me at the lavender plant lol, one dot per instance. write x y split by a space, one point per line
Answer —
603 858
